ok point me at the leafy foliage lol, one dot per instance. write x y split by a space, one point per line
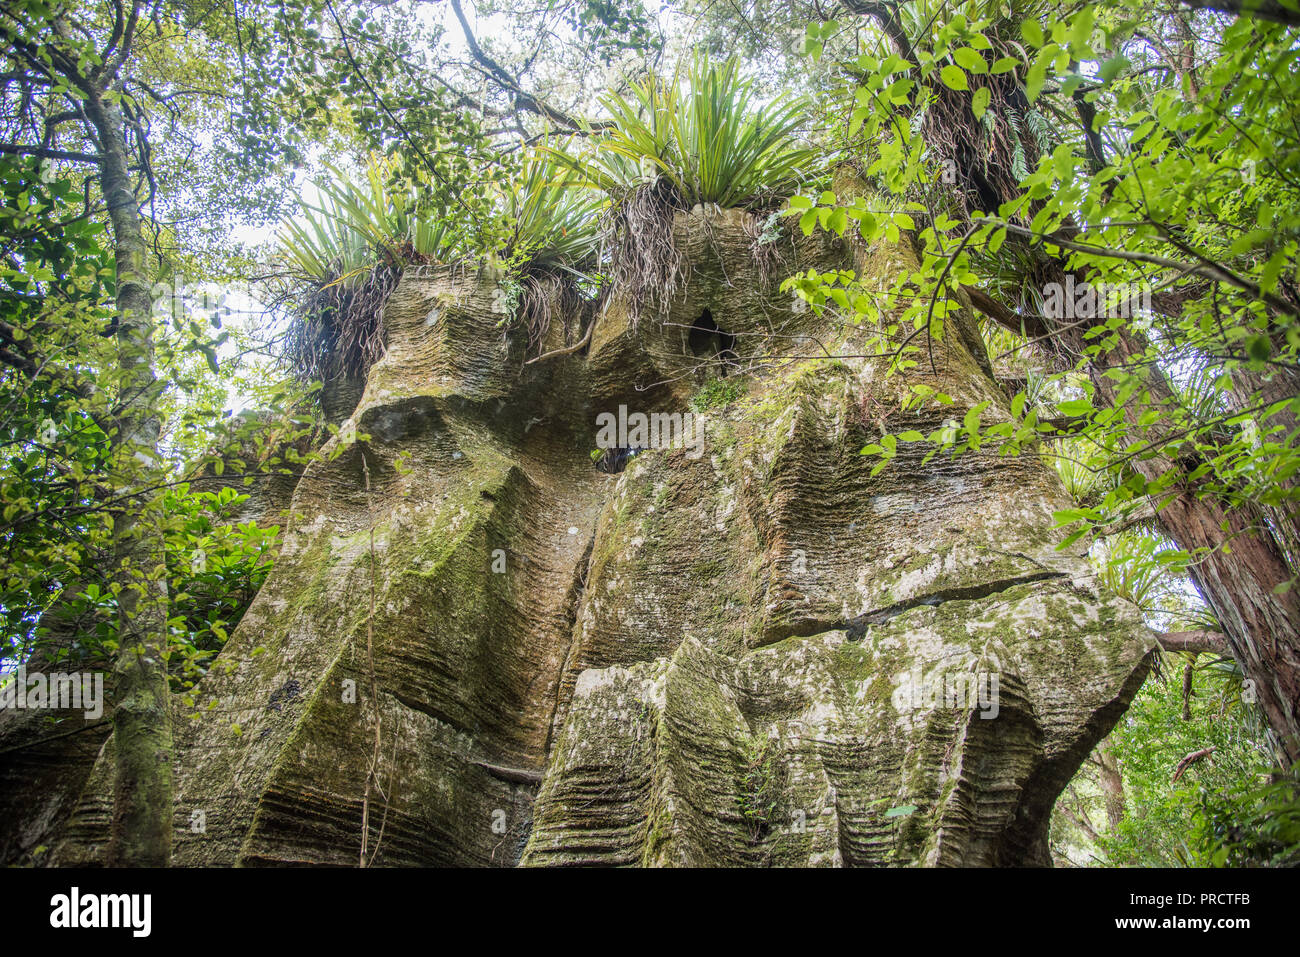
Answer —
1222 810
1120 183
712 143
380 218
716 394
59 598
552 224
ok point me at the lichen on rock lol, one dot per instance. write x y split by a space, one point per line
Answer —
694 661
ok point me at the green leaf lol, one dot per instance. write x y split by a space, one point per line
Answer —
1081 29
1074 407
1068 516
1071 539
954 77
970 60
1114 67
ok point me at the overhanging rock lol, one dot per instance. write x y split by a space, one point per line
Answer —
720 659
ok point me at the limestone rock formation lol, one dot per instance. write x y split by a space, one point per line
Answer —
713 659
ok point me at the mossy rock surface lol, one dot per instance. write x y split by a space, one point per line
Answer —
692 662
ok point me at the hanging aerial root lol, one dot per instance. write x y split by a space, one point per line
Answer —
765 245
337 328
637 235
543 297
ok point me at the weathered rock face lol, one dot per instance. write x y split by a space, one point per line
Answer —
714 659
46 755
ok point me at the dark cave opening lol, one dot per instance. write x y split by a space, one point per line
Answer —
708 341
614 461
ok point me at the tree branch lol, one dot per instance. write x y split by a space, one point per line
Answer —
885 15
1196 642
495 71
1188 761
1259 9
1210 270
18 149
567 349
1031 327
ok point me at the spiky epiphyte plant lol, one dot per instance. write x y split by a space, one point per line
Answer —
361 222
345 254
713 142
552 224
675 143
552 241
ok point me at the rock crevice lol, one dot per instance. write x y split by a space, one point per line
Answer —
697 660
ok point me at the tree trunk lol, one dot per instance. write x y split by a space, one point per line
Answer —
1238 564
1112 785
141 830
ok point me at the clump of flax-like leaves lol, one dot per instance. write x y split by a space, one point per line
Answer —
667 149
553 244
345 256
